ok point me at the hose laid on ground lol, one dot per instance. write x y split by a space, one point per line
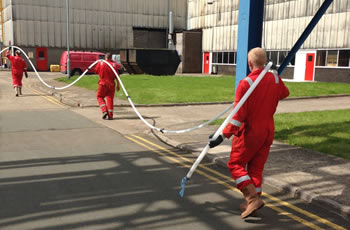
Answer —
222 126
47 85
153 127
162 130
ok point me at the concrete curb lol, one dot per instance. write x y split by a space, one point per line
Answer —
293 190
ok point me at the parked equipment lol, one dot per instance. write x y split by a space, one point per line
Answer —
150 61
79 61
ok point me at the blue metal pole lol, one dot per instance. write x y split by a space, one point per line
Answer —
305 34
250 26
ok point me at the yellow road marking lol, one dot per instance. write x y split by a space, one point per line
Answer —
49 98
275 199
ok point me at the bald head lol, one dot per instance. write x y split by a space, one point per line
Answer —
257 57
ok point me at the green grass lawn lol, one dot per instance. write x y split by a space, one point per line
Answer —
146 89
324 131
327 131
300 89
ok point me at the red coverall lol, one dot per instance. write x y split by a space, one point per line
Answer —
18 66
106 86
253 126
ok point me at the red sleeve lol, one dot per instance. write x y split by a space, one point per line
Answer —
24 65
234 127
9 56
97 69
284 90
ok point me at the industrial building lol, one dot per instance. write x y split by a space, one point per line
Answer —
212 25
40 26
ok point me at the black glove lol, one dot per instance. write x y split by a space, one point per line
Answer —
26 74
216 142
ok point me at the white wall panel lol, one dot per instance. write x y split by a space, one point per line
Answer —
89 36
43 13
347 30
44 34
130 36
83 36
106 36
63 28
51 33
75 30
95 32
37 34
58 36
112 37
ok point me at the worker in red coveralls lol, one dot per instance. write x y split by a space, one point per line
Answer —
253 128
106 86
18 67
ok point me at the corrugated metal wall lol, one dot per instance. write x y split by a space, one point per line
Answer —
285 20
218 21
103 24
8 23
108 24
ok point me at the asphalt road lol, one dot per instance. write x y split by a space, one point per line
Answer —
60 169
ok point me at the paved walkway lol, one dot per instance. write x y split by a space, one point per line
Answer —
315 177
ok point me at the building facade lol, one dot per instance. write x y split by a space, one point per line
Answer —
104 25
284 22
109 25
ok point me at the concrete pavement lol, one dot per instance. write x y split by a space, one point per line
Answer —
315 177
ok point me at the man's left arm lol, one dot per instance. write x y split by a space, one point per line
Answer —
117 67
234 127
284 91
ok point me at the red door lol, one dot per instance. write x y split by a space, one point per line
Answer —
206 63
41 59
310 67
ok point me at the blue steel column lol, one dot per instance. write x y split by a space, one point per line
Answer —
250 25
305 34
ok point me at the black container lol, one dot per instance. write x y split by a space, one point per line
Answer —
150 61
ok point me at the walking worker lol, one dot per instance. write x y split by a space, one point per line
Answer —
106 86
18 67
253 128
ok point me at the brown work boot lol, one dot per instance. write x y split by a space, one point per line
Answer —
253 200
104 115
243 207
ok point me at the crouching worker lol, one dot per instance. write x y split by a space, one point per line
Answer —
18 67
106 86
253 128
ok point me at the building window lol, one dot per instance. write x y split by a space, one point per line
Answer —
321 57
344 58
215 57
282 55
232 58
332 58
220 57
228 58
225 57
274 57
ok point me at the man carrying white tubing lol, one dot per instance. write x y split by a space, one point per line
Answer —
18 67
106 86
253 126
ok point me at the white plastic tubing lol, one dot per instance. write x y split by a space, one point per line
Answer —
153 127
228 119
47 85
126 94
